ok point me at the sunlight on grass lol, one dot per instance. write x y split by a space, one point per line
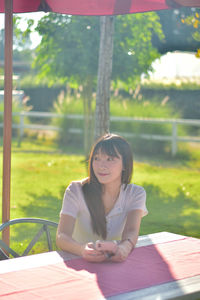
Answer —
39 179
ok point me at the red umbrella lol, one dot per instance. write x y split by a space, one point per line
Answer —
87 7
71 7
97 7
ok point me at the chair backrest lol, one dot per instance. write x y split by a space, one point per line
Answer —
6 251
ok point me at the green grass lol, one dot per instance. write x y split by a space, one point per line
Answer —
39 179
41 172
172 199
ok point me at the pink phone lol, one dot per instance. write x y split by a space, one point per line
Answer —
108 246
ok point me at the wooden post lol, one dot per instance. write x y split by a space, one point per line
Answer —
88 117
7 130
174 138
21 128
102 114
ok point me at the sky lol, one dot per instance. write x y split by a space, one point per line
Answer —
170 65
36 16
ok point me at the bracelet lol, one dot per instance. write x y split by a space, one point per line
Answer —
129 240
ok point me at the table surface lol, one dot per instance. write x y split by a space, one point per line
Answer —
186 287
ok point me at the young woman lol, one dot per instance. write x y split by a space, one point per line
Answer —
104 207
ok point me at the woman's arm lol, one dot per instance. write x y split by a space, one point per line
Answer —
65 241
64 235
129 235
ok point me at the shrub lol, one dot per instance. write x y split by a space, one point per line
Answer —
119 107
142 109
16 108
65 106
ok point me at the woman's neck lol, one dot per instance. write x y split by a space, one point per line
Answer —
111 191
112 188
109 197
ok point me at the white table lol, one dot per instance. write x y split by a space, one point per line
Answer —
188 288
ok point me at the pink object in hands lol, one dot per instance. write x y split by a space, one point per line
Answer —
108 246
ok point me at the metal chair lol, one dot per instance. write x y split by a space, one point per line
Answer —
6 251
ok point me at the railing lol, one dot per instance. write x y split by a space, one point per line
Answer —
173 138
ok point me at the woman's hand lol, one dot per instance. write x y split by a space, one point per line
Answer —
106 251
123 251
106 246
90 254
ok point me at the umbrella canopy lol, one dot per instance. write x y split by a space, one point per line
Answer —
97 7
87 7
71 7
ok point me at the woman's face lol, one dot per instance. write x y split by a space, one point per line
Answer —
107 169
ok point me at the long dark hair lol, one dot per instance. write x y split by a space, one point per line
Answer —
112 145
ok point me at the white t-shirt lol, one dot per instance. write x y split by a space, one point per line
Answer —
133 197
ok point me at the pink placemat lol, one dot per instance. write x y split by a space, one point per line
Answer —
78 279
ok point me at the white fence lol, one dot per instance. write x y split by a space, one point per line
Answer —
173 138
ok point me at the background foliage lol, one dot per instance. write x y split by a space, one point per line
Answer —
69 47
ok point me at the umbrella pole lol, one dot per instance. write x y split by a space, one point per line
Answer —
7 130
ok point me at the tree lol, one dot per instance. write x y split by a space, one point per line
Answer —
70 47
21 38
22 52
133 55
133 49
178 36
104 76
193 21
69 51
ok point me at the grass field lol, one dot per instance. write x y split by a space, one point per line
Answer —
40 174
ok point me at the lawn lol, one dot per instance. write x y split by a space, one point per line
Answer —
40 174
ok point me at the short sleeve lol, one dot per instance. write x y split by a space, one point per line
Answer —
137 198
70 204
